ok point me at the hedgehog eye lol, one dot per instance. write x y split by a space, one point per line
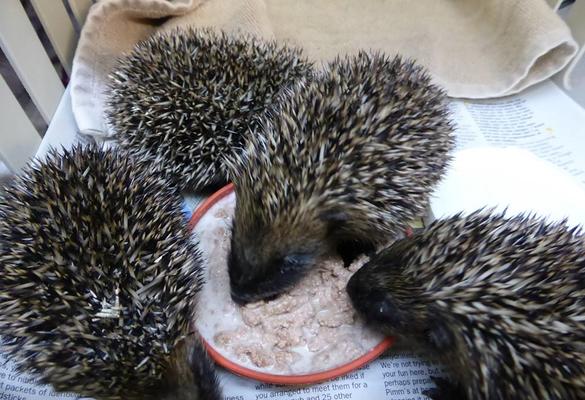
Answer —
294 262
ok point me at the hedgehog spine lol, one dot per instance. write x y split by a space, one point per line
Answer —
187 99
99 278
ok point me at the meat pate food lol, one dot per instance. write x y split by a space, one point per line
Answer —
311 328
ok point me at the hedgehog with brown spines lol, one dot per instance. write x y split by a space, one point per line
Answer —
99 276
187 99
500 299
345 161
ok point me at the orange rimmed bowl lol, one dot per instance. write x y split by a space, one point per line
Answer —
301 379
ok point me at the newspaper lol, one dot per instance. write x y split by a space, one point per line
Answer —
16 386
542 119
400 374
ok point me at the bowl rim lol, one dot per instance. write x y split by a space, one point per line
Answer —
303 379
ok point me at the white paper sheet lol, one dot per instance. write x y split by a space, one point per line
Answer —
542 120
509 179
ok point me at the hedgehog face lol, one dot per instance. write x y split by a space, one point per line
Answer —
263 266
385 296
378 306
253 278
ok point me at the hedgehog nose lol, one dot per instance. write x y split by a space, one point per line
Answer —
353 288
240 299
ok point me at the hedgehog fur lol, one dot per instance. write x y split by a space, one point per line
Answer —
501 299
344 161
98 280
187 98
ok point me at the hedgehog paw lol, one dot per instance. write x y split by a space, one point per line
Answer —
444 390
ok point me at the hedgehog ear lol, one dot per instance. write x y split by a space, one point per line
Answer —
438 333
334 217
394 254
334 220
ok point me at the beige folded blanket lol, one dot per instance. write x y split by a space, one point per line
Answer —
474 48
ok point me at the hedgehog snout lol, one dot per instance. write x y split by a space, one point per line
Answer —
257 281
257 288
372 304
379 310
241 278
240 298
376 306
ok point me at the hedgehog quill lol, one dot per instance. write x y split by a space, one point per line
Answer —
98 280
188 98
501 299
342 162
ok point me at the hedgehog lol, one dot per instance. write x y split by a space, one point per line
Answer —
342 162
188 98
99 276
501 299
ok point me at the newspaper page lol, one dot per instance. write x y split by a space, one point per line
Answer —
400 374
542 119
17 386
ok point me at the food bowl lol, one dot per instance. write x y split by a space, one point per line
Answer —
290 379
